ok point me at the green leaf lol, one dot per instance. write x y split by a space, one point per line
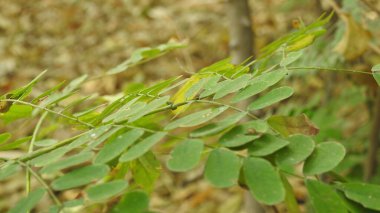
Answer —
274 96
266 145
366 194
16 112
124 114
289 125
115 147
4 137
290 198
142 147
259 84
376 73
146 170
145 54
80 177
299 148
237 136
222 168
196 118
185 156
67 162
45 142
104 191
28 203
233 86
263 181
215 128
102 138
151 106
9 170
325 157
49 157
15 144
24 91
133 202
290 58
211 87
324 198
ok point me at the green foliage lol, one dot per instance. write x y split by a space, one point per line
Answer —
28 203
376 73
116 157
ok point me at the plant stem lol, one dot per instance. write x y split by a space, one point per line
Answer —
48 110
42 182
329 69
35 132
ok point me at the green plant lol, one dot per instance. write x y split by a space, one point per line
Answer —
117 136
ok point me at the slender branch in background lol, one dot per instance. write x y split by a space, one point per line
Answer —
34 136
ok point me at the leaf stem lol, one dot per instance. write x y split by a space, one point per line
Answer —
329 69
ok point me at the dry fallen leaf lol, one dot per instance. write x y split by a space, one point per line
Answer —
355 39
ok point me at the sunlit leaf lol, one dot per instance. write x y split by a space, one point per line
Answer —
289 125
263 181
376 73
16 112
142 147
222 168
265 145
185 156
115 147
80 177
28 203
324 198
364 193
104 191
182 96
196 118
325 157
4 137
299 148
15 144
272 97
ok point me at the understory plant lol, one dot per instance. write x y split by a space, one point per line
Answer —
112 157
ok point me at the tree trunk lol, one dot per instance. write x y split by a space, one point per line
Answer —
241 35
371 163
241 48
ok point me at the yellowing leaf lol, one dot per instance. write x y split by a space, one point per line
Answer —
355 39
288 125
180 96
307 40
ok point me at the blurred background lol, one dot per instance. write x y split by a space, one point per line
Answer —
72 37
